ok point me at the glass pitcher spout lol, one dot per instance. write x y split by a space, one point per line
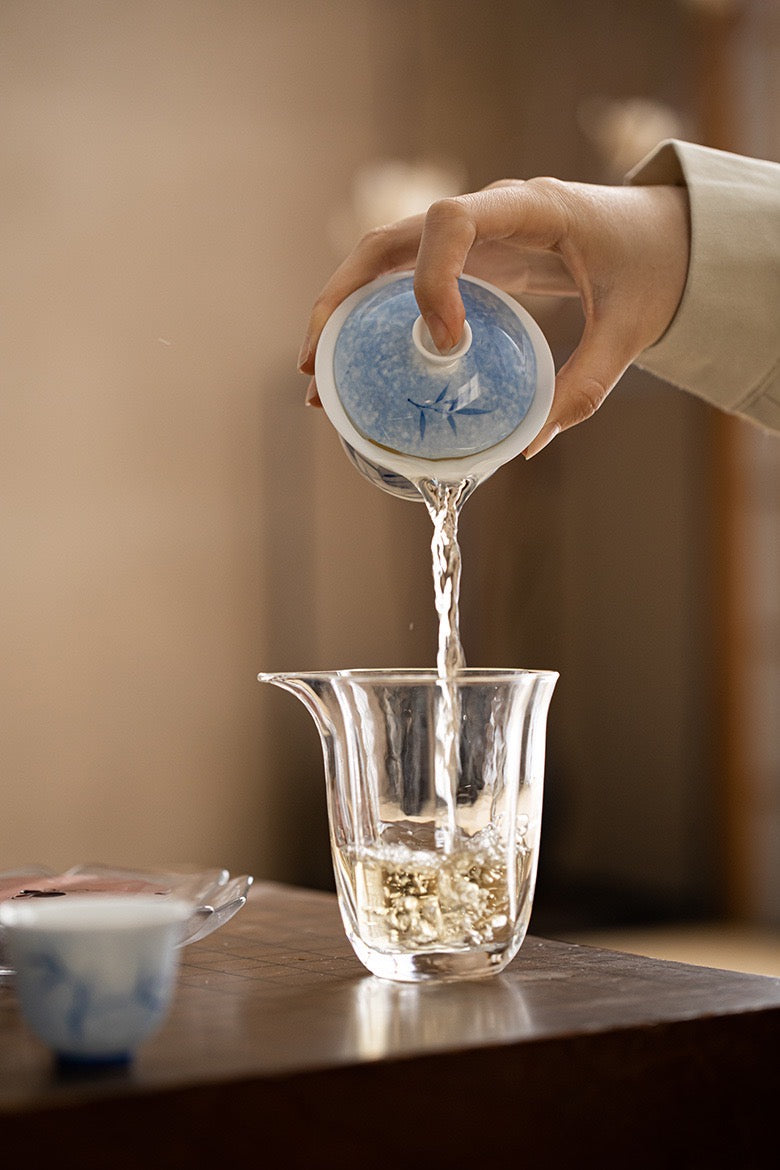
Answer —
314 691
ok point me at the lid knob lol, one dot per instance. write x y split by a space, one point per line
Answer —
421 336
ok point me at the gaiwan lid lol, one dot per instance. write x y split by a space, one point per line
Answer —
398 402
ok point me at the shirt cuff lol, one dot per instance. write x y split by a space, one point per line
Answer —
722 344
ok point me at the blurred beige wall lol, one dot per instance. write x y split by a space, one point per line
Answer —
160 165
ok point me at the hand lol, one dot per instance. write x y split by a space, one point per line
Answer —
623 250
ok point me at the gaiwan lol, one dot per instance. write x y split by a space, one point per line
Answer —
406 412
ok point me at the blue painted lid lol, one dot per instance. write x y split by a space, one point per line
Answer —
400 393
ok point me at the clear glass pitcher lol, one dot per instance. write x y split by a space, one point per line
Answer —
434 852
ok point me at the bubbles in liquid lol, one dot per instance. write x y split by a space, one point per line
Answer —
410 898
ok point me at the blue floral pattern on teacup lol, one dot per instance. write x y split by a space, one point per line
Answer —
89 1018
82 1015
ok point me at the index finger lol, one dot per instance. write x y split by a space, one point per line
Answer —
510 210
385 249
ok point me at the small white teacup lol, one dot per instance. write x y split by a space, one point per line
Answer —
94 973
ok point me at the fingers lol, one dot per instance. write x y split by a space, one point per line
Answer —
583 383
521 272
312 395
447 237
545 436
438 243
529 214
384 250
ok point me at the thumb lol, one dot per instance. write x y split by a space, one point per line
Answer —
582 384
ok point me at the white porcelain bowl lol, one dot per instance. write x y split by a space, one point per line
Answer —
95 975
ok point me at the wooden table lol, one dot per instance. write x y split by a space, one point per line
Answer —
282 1051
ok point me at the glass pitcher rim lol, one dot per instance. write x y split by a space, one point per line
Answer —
419 675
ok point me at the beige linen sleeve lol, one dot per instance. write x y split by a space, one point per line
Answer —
724 341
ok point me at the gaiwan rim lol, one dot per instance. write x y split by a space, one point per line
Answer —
445 470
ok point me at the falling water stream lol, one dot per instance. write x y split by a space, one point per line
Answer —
444 502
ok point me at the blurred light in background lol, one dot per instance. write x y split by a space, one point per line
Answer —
389 190
625 130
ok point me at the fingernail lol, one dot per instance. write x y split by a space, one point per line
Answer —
304 354
442 338
311 393
544 437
